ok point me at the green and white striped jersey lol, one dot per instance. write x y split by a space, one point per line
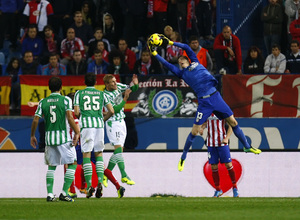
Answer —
91 102
115 97
53 109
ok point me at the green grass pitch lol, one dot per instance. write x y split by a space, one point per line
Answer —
152 208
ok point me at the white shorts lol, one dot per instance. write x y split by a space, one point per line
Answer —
62 154
116 133
92 138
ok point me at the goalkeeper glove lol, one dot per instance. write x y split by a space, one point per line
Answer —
152 49
166 40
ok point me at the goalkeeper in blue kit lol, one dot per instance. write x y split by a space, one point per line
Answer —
209 99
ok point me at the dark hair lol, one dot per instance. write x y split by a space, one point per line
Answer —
9 65
295 41
253 48
115 53
55 84
97 51
90 79
192 38
98 29
33 26
276 46
47 27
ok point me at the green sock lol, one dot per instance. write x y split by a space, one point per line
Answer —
100 168
120 161
112 161
50 178
88 171
69 177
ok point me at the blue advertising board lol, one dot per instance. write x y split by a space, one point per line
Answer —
171 133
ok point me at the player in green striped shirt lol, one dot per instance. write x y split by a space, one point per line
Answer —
57 112
88 107
115 126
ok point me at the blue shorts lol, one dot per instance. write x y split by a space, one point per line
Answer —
216 154
213 104
80 156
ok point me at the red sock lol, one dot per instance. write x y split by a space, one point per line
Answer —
216 178
72 187
82 179
111 177
232 176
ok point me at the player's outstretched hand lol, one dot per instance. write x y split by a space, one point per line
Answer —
151 48
166 41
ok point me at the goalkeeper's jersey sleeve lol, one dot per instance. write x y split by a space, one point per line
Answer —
53 109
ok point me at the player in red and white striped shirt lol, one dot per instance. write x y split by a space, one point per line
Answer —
218 151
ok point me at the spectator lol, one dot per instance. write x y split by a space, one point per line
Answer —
88 15
201 53
9 22
293 58
51 44
69 45
12 70
100 46
82 30
33 42
98 35
295 28
168 31
109 29
227 51
98 66
78 65
173 52
272 17
117 64
254 62
29 66
204 19
291 10
38 12
62 17
147 65
54 68
130 56
275 62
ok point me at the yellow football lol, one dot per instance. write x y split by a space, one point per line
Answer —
155 40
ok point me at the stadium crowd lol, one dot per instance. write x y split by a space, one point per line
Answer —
73 37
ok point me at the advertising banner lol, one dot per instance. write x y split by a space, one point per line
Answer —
161 96
5 88
34 88
170 134
261 96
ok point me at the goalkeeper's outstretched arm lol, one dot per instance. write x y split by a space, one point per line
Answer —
191 54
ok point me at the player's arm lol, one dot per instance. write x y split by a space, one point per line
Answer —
77 111
110 112
118 108
188 51
228 134
135 82
33 140
166 64
202 127
74 127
